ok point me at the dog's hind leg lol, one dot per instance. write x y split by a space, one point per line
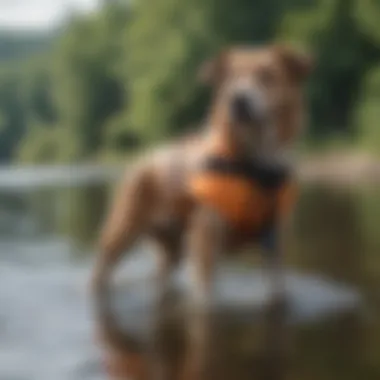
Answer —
128 218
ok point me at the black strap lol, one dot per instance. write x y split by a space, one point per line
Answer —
269 176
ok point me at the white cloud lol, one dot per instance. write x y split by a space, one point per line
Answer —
41 14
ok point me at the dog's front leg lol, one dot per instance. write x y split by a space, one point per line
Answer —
274 245
205 242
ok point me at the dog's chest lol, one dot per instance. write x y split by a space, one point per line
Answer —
249 195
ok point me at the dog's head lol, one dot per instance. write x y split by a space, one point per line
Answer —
258 93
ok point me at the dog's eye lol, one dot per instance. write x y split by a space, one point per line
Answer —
266 77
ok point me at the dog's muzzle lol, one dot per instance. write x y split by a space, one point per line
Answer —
248 110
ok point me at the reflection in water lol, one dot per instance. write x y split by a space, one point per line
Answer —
46 330
71 212
194 347
81 211
329 233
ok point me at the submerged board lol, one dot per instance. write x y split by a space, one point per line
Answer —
241 291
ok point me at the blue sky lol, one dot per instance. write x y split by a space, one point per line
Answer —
39 14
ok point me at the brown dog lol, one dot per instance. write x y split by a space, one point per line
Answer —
229 185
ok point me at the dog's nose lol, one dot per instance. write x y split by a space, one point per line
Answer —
248 109
241 109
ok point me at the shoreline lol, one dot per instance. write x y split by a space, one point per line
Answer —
337 169
340 168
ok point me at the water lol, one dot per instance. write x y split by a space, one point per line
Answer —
49 220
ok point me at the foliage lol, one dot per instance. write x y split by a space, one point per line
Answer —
168 41
12 110
19 45
126 76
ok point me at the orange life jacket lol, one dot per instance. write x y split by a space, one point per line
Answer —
250 197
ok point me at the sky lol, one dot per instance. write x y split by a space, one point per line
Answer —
39 14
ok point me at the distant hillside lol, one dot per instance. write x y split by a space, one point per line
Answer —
20 45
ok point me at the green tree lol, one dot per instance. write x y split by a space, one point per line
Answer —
13 113
88 88
334 29
126 76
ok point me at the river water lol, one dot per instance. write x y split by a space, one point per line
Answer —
49 219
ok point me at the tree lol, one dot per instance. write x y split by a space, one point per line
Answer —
334 31
167 42
88 88
13 113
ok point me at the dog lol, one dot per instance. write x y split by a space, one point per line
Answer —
226 187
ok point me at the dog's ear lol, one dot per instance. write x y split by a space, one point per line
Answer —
213 70
299 64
